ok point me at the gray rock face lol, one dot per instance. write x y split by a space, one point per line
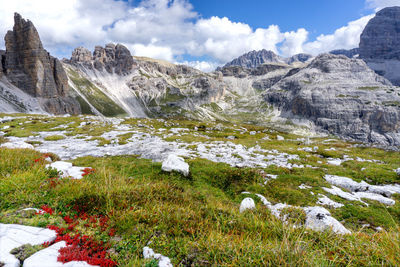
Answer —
341 96
348 53
381 37
254 59
112 58
30 67
380 44
299 58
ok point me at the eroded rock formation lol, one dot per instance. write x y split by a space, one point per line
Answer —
31 68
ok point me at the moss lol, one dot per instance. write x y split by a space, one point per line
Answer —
54 138
25 251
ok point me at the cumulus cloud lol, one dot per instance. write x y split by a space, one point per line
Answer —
205 66
166 29
343 38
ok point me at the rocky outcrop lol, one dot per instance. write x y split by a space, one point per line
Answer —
341 96
28 66
299 58
348 53
111 58
254 59
380 44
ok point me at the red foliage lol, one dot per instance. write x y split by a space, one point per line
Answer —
82 247
87 171
46 209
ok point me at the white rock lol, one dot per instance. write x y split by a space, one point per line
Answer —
17 144
303 186
397 171
320 219
247 204
163 261
14 235
280 138
326 201
175 163
48 258
6 127
67 170
253 133
336 162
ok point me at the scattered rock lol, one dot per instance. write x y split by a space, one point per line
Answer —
163 261
326 201
247 204
17 144
67 170
175 163
320 219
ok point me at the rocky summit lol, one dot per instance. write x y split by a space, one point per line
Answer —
380 43
28 66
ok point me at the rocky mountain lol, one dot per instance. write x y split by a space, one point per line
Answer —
380 44
341 96
255 59
348 53
111 82
26 65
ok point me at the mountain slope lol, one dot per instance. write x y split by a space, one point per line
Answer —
342 96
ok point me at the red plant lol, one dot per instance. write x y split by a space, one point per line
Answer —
82 247
45 209
87 171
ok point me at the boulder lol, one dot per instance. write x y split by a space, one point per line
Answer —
175 163
247 204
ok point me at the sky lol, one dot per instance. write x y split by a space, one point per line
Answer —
201 33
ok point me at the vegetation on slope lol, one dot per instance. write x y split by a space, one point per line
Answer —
95 96
196 220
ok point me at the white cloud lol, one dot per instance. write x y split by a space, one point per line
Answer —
294 41
343 38
166 29
205 66
379 4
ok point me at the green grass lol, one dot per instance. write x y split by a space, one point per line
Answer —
54 138
193 220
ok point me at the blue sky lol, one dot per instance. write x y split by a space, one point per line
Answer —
201 33
317 16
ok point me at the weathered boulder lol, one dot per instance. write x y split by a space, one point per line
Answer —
380 43
247 204
175 163
31 68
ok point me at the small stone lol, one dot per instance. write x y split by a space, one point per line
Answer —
175 163
247 204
